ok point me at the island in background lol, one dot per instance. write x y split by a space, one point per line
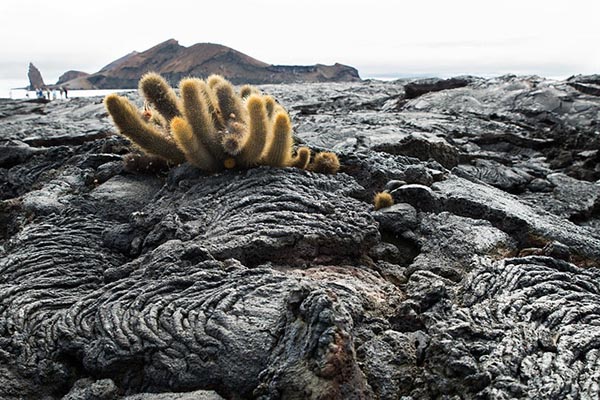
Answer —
175 62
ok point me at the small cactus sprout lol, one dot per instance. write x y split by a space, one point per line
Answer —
302 158
325 163
211 126
383 200
147 113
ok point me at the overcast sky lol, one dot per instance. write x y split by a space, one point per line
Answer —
444 37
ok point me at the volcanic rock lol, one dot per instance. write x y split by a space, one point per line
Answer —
482 281
420 87
35 78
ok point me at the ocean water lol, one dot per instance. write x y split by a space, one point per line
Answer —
12 89
7 84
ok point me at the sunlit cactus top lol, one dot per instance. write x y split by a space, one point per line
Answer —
212 126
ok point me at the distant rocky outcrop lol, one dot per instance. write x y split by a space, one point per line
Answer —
589 84
175 62
35 77
71 75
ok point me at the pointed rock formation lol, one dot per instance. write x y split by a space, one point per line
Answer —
35 77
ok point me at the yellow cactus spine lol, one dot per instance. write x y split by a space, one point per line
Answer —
279 148
213 106
196 112
383 200
214 79
271 104
257 132
325 163
160 94
195 151
302 158
147 136
150 115
229 102
248 90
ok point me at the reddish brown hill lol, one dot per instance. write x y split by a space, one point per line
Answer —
71 75
174 62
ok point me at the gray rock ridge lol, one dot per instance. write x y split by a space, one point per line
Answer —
481 282
35 78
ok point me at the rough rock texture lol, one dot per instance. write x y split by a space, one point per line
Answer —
482 281
421 87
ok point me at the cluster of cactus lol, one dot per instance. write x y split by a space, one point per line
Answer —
212 126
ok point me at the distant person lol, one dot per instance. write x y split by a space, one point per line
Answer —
65 89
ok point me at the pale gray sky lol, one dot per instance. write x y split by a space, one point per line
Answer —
549 38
